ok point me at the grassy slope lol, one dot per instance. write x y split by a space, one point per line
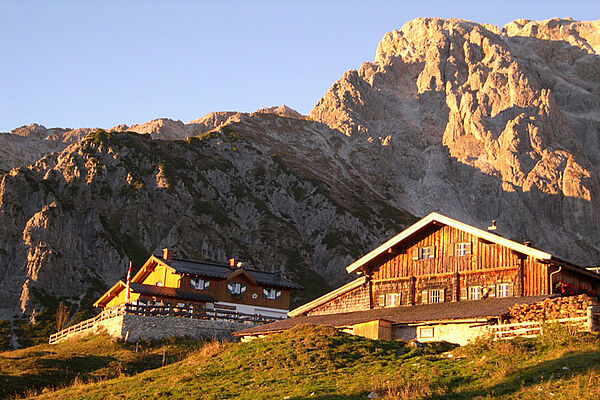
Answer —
319 363
90 359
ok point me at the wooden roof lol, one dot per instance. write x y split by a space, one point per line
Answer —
435 217
110 293
422 313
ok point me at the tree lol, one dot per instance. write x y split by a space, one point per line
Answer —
62 316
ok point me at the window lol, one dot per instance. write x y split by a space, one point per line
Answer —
426 332
423 253
199 284
434 296
474 292
272 294
393 299
502 290
462 249
236 288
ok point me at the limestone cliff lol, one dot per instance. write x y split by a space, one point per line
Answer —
481 123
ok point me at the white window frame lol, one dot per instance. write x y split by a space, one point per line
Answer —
199 283
434 296
424 253
461 249
237 288
502 290
272 293
393 299
475 292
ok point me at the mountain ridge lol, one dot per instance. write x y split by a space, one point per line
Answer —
467 119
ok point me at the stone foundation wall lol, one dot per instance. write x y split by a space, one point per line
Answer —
136 327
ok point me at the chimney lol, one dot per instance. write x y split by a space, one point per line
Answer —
167 255
492 227
528 243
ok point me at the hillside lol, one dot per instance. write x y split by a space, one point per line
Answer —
320 363
93 358
468 119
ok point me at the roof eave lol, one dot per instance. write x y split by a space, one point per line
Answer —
442 219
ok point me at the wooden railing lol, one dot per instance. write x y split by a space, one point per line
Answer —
87 324
532 329
188 311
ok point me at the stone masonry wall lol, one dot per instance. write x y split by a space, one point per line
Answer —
136 327
355 300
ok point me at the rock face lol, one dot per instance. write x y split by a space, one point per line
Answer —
269 190
484 125
471 120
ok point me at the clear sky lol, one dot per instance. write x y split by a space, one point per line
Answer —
100 63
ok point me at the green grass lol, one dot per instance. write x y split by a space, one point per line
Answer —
321 363
94 358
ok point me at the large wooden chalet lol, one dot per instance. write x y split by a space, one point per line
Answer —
167 281
440 279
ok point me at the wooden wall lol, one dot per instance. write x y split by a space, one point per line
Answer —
484 256
218 290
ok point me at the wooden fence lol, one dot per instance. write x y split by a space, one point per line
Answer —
187 311
589 323
534 328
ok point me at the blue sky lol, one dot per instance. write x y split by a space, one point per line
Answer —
101 63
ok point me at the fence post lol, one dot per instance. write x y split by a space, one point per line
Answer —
591 323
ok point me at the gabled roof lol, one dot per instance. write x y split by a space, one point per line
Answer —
328 297
442 219
221 271
423 313
113 291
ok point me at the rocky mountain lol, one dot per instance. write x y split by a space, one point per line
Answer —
471 120
483 123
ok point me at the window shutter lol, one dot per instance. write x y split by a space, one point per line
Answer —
442 298
492 291
424 296
278 294
469 249
510 290
431 251
451 249
381 300
463 293
415 253
206 284
243 289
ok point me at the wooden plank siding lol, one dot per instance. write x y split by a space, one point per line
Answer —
488 265
484 256
218 290
494 264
